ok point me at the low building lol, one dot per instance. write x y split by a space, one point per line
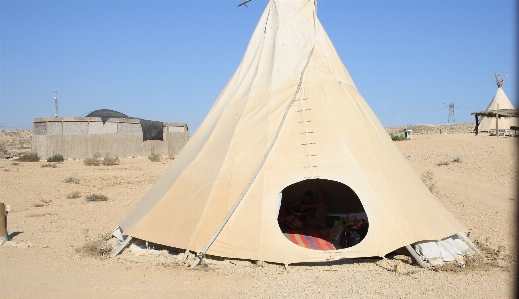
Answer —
100 132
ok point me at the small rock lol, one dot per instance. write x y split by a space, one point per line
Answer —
141 252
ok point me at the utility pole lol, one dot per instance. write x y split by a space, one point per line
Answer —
56 101
451 114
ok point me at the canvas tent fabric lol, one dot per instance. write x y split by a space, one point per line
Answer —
489 123
291 112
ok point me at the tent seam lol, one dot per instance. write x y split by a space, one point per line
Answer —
260 166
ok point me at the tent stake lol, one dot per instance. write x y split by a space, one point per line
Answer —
121 246
477 125
186 255
417 258
3 222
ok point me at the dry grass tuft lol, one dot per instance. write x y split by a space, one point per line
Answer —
91 162
98 248
96 197
40 215
73 195
457 160
50 165
492 259
155 158
110 160
29 157
443 163
57 158
71 180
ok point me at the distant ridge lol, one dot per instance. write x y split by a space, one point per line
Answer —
426 129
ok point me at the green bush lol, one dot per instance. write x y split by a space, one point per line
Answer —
29 157
397 137
55 158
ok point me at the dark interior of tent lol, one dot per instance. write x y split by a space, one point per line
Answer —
322 214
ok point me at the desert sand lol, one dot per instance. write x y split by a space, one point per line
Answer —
475 177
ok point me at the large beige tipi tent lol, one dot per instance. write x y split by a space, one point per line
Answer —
290 113
499 101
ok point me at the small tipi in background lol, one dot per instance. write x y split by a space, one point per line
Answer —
499 101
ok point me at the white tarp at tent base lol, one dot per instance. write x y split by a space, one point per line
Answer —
446 250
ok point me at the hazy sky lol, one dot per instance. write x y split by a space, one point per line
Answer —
168 60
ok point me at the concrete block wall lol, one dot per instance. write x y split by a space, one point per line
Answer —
82 137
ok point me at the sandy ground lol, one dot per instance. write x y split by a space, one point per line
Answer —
48 229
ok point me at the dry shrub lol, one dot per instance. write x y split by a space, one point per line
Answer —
491 259
110 160
29 157
40 215
398 137
74 194
57 158
71 180
38 205
98 248
155 158
443 163
474 261
449 267
49 165
457 160
91 162
428 179
15 163
96 197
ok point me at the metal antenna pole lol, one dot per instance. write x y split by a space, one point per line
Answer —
244 3
56 101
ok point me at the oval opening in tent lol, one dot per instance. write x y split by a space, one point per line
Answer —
322 215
